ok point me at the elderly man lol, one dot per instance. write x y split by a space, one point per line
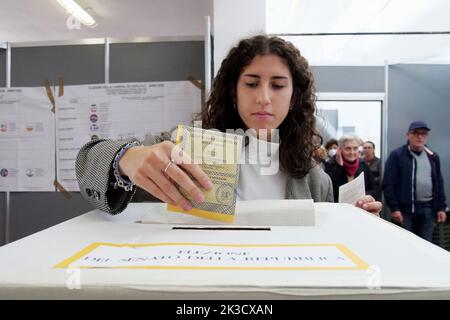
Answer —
413 185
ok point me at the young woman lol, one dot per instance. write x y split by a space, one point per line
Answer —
263 83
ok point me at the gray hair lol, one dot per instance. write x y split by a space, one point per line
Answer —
349 137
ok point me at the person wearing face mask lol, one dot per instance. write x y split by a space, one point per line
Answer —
263 84
413 185
347 165
331 147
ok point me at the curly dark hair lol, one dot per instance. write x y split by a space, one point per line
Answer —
298 134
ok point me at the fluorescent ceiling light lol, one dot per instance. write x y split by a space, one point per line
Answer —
78 12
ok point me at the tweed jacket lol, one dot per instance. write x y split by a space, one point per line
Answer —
96 178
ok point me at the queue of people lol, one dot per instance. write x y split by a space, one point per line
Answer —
412 184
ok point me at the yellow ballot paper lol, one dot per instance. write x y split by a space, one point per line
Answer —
218 154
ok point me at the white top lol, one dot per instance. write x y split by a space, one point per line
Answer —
260 176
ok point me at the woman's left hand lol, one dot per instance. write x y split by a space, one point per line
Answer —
369 204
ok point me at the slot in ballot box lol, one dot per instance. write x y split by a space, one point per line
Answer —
346 253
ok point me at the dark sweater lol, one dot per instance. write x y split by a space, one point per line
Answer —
339 177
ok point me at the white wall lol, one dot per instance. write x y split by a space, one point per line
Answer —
234 20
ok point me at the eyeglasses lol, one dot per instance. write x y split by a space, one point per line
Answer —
420 133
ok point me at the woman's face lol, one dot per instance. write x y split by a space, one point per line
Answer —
350 150
264 93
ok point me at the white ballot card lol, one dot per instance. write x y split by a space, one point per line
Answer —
353 190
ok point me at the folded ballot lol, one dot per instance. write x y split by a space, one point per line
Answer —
218 154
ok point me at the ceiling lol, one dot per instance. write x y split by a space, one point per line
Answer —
45 20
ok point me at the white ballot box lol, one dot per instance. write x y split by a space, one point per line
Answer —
346 253
248 213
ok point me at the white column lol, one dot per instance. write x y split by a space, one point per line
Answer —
234 20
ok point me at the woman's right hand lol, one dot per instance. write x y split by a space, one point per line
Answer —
150 169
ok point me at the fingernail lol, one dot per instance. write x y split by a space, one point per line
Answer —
187 206
199 197
365 206
209 184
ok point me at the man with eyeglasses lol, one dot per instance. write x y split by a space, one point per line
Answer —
413 185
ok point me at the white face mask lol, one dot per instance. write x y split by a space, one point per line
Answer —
331 152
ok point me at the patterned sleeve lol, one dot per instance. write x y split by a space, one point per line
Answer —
96 178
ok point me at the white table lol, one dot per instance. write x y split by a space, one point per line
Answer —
404 265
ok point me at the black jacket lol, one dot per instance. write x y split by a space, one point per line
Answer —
338 177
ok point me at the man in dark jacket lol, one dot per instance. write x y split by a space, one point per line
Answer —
413 185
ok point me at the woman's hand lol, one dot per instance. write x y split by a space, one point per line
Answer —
157 168
369 204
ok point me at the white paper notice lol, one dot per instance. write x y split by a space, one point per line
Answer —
27 140
216 256
118 111
353 190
